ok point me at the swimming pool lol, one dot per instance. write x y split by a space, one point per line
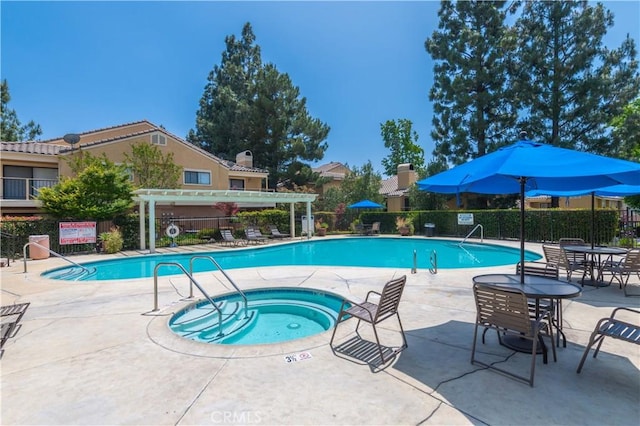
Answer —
273 315
377 252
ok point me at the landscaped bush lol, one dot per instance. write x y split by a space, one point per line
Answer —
112 241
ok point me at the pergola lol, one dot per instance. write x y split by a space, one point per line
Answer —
208 197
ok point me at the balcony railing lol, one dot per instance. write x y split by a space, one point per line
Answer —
24 188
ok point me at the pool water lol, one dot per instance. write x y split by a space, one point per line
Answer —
272 316
363 252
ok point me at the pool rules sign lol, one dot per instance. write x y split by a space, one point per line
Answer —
77 233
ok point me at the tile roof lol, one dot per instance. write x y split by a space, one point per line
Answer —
30 148
389 187
151 129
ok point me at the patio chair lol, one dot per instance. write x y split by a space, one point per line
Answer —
547 270
507 311
557 256
375 229
622 269
576 258
616 329
374 313
275 233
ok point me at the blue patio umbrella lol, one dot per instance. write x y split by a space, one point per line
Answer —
365 204
528 165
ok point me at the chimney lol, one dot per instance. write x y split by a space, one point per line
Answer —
245 158
406 176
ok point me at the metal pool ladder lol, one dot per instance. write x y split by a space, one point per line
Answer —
176 264
33 243
244 298
472 231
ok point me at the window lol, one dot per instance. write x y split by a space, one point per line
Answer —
236 184
158 139
194 177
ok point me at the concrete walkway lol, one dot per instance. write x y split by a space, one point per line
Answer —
94 353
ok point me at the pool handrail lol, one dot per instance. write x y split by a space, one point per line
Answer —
193 280
24 256
240 292
472 231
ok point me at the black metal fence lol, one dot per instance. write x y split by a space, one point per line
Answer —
610 228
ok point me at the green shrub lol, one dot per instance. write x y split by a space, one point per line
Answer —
112 241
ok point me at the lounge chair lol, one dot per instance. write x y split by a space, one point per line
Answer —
624 268
228 238
252 237
10 316
616 329
507 311
374 313
275 233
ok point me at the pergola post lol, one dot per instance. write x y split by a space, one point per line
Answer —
152 226
143 242
310 224
292 219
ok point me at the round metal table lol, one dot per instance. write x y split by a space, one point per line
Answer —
534 287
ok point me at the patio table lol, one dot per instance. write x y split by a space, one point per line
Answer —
596 261
534 287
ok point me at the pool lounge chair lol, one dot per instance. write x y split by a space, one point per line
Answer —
10 315
252 236
275 233
228 239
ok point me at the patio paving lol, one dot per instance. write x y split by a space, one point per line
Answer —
94 353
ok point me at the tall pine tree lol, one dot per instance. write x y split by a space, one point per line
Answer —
250 106
571 85
473 112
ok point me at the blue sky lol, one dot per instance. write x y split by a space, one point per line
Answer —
80 66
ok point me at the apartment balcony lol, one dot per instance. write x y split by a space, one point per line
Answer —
22 192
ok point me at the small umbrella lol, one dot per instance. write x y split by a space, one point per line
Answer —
366 204
528 165
609 191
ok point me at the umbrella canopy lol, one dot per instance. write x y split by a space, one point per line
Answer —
366 204
542 166
609 191
528 165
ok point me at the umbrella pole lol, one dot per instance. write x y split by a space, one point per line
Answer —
522 182
593 217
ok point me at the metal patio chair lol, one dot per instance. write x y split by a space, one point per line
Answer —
622 270
374 313
507 311
616 329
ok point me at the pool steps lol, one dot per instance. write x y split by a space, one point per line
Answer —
200 324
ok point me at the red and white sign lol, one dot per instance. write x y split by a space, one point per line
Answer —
77 232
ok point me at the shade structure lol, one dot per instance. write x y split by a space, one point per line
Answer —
528 165
366 204
609 191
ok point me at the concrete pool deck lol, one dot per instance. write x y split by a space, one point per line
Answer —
94 353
